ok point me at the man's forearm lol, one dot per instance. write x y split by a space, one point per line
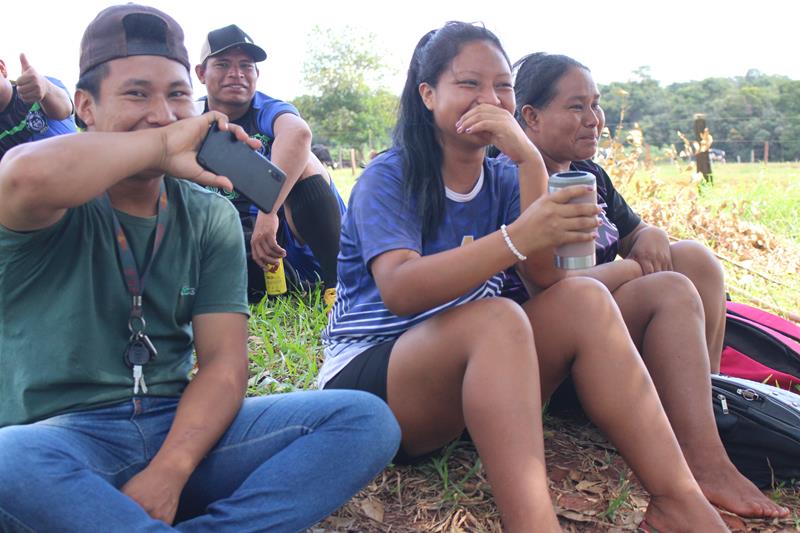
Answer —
56 102
626 243
38 180
291 154
613 275
208 406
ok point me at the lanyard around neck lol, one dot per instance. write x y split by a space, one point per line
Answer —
133 280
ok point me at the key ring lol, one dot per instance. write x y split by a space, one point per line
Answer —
136 324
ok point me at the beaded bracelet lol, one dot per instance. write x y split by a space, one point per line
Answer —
510 244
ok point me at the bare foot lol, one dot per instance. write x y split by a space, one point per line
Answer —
687 513
726 487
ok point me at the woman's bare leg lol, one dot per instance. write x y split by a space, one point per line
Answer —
579 330
476 365
697 263
665 318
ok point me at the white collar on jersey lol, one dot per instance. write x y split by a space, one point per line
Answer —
465 197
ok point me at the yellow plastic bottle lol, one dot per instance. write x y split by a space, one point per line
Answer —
275 279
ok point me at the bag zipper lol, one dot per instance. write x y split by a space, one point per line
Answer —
724 401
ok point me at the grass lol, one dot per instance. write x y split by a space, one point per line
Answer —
285 349
345 179
592 488
453 490
622 494
770 193
748 217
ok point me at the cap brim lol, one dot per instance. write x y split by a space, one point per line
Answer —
256 52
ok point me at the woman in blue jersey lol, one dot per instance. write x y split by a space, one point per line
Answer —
671 296
431 228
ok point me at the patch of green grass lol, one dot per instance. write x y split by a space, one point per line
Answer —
285 347
770 193
621 496
452 489
345 179
759 194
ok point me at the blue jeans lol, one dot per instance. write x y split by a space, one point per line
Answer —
285 462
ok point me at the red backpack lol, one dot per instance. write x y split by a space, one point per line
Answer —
762 347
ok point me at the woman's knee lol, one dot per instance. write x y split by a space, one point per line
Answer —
675 292
579 296
505 316
695 260
498 329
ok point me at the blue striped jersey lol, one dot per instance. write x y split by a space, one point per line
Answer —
381 218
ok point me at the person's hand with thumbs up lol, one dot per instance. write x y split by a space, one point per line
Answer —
33 87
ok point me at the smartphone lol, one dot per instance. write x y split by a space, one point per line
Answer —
252 174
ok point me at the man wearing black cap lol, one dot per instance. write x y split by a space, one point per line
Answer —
115 267
305 223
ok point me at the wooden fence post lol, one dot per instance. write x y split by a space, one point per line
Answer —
701 157
766 152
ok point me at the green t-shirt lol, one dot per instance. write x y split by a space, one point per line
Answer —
64 304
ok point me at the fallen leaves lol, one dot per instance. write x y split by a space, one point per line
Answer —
585 476
373 509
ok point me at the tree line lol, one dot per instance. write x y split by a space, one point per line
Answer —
742 113
349 106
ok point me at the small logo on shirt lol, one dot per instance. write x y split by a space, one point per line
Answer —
188 291
466 239
233 195
37 123
266 143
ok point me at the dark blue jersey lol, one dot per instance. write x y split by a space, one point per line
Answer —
21 122
259 123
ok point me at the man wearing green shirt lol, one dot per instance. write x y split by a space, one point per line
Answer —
114 267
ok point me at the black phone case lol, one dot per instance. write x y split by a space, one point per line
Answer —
252 174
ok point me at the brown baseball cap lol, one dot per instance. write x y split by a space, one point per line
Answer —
131 30
229 37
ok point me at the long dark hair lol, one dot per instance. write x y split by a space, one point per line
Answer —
536 78
415 134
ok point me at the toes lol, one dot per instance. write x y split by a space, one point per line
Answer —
779 511
771 510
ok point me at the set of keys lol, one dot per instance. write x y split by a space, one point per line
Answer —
139 352
140 349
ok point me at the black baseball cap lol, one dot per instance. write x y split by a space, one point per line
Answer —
131 30
229 37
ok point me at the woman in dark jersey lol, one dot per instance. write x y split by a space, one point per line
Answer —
671 295
431 228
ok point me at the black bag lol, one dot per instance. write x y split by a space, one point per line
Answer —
760 428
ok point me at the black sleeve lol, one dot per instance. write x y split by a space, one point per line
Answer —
617 209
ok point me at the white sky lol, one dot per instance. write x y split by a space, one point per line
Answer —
680 40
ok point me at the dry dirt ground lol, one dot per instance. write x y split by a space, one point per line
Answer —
592 491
